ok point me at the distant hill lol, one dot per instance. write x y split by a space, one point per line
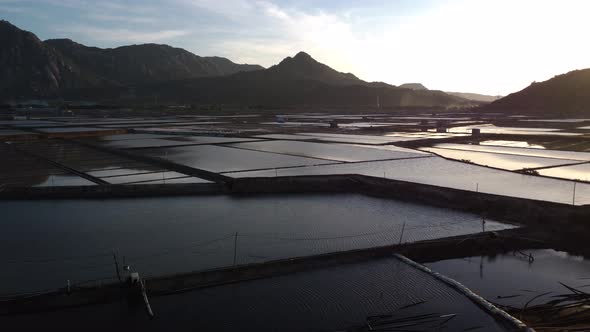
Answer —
298 80
32 68
567 94
465 95
152 73
302 66
475 96
136 64
413 86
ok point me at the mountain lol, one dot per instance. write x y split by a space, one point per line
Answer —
413 86
302 66
465 95
30 67
148 73
567 94
475 96
136 64
295 81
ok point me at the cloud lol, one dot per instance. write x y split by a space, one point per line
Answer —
230 9
269 32
494 47
8 9
488 46
122 18
124 35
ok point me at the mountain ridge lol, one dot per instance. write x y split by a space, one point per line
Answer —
132 74
133 64
565 94
30 67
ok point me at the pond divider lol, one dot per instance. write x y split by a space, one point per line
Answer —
531 212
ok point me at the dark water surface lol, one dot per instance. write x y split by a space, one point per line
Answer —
512 279
45 243
328 299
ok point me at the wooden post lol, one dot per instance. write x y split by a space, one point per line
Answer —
235 247
402 234
117 266
146 301
574 195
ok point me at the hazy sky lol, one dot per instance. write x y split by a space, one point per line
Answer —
485 46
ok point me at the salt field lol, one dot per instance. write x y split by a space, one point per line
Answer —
491 129
14 132
296 302
511 279
575 172
146 177
75 239
170 141
59 180
71 130
363 139
158 234
556 120
242 184
224 159
511 162
452 174
570 155
335 152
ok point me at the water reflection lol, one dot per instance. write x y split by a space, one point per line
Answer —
515 278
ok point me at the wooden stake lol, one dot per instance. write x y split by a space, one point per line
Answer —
402 234
235 247
117 266
574 195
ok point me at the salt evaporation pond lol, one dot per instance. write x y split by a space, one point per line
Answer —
556 120
362 139
511 162
524 151
45 243
335 298
170 141
133 136
514 144
491 129
62 181
151 177
451 174
223 159
510 279
575 172
335 152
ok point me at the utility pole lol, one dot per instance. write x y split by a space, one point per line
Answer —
401 236
235 247
574 194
